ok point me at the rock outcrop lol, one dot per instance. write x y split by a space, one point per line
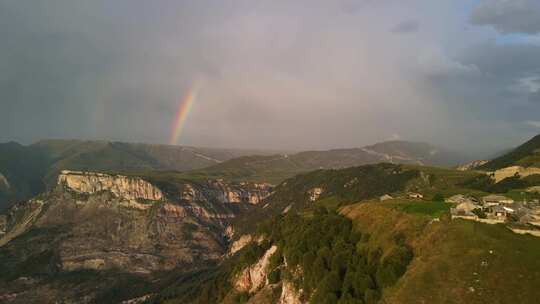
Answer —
315 193
4 184
254 277
109 222
3 224
103 234
20 218
130 188
240 243
226 193
471 165
289 294
128 225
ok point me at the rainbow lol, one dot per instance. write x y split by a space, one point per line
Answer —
181 115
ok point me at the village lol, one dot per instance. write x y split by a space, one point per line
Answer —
521 216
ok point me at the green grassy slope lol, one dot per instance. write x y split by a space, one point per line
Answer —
421 208
276 168
457 261
339 187
350 185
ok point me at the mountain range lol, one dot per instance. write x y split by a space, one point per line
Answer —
117 223
27 170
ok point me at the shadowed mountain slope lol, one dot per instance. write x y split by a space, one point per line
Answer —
526 155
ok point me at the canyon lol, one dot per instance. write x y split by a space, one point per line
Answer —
104 222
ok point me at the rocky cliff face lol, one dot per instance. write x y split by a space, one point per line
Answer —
4 184
289 294
20 218
471 165
225 193
314 194
239 244
118 222
3 222
121 225
129 188
254 277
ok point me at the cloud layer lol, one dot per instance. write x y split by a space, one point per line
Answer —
509 16
273 74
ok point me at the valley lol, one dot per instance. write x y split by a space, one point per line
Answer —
270 152
311 227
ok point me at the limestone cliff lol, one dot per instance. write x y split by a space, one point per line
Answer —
240 243
227 193
471 165
253 277
289 294
133 223
129 188
20 218
136 226
314 194
3 224
4 184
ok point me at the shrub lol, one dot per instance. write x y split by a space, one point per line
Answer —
274 276
438 197
242 297
480 213
371 296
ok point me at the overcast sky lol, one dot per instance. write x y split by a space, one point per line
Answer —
309 74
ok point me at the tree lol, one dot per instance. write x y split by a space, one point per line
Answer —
480 213
438 197
274 276
371 296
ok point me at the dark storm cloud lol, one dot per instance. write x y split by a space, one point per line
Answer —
408 26
535 97
509 16
74 69
499 96
275 74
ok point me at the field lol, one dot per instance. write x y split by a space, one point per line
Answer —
447 182
427 208
455 261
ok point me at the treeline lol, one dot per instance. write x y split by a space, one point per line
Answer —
320 253
487 184
330 260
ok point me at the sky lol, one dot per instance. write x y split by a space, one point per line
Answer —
293 75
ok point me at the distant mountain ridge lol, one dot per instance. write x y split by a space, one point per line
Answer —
279 167
422 153
29 169
526 155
